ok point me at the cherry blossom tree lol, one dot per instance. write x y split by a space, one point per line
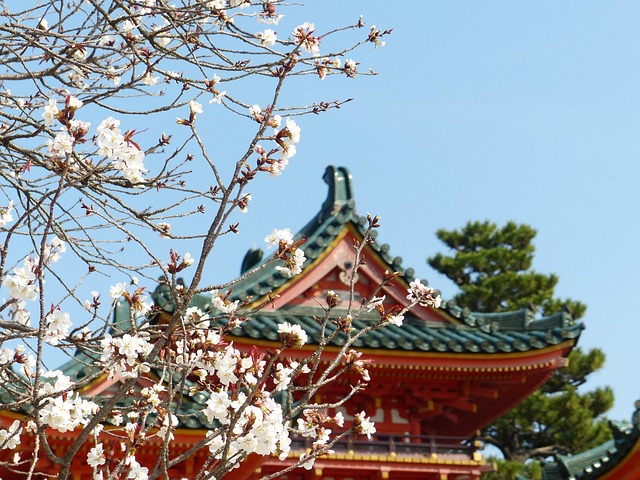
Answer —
101 152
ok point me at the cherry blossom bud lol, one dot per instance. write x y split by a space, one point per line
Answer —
292 336
350 68
343 324
332 299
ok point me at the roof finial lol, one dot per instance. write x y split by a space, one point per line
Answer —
340 189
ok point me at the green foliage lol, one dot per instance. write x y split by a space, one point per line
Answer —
492 268
509 470
544 424
581 365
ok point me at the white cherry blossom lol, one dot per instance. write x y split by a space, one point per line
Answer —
57 326
95 457
363 424
5 214
279 237
292 335
268 38
10 438
217 98
195 107
117 290
50 112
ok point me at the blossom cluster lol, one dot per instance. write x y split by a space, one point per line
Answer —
211 86
222 303
127 354
52 113
393 315
126 154
9 356
61 145
231 367
138 304
279 238
423 295
10 438
288 251
363 425
152 395
303 36
202 349
293 263
57 326
22 284
73 130
313 424
177 263
53 250
61 410
286 137
258 427
292 336
168 422
5 214
284 372
251 424
354 363
97 457
136 471
267 38
326 64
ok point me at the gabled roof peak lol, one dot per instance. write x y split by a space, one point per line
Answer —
338 209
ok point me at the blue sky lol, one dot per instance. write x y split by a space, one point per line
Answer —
498 110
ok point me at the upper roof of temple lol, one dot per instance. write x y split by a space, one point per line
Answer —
448 329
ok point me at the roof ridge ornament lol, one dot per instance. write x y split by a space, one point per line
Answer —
340 190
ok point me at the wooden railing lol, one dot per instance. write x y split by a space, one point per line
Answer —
399 444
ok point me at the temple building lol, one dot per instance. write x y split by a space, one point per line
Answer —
436 380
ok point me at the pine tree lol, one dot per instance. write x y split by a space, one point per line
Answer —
492 268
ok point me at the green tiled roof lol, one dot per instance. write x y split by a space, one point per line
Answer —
592 464
417 334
